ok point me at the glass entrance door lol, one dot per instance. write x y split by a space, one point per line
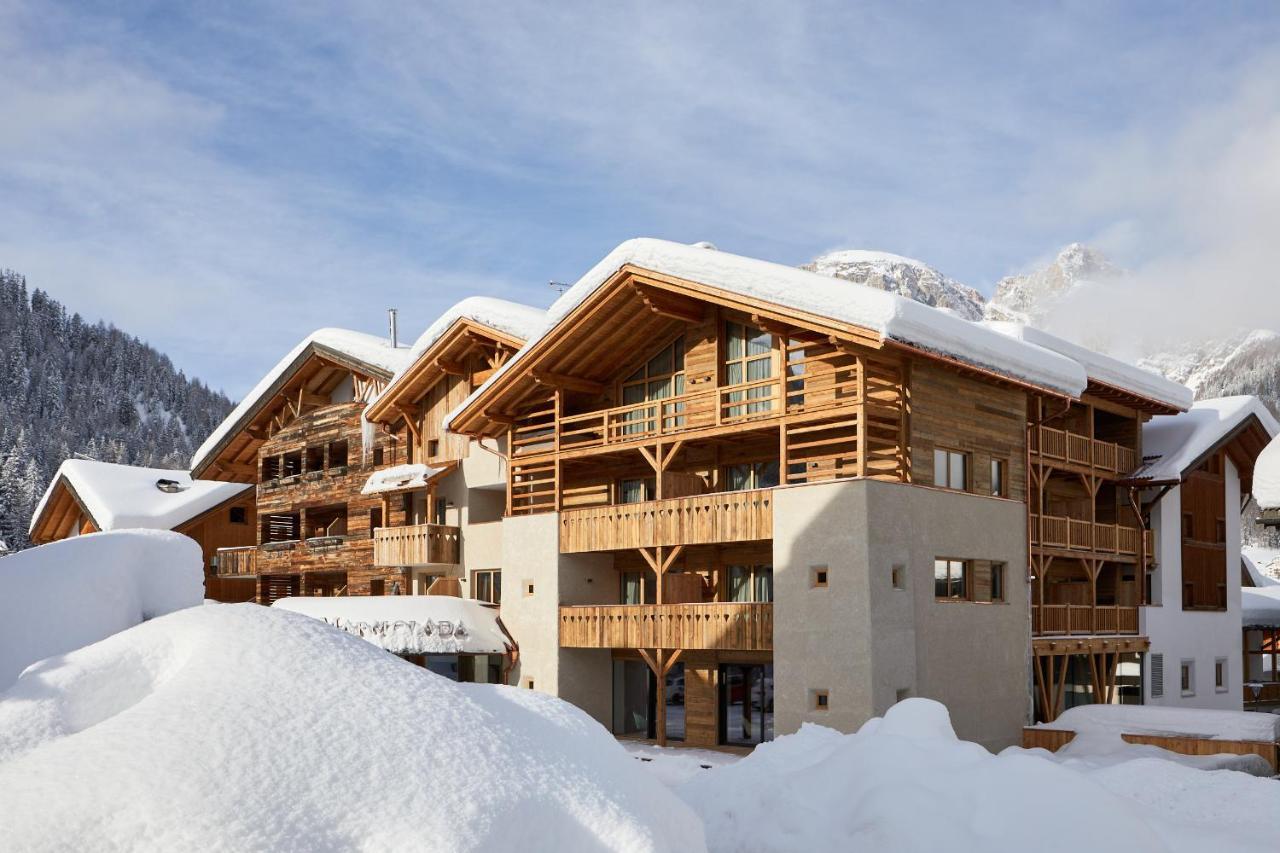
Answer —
746 704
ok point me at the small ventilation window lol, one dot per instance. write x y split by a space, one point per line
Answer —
238 515
821 700
819 575
1157 675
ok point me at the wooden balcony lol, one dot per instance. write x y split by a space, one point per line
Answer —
238 562
1071 534
1068 619
1080 450
725 626
697 520
415 544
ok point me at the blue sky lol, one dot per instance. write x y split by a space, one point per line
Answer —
222 179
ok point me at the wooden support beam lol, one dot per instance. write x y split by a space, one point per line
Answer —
567 383
671 661
772 326
500 417
452 368
670 305
410 420
670 558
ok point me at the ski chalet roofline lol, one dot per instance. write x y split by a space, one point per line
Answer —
644 278
300 380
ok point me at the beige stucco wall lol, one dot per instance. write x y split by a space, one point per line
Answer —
862 640
531 555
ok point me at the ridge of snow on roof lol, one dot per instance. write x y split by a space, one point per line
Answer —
409 624
125 496
895 317
412 475
1102 368
366 348
512 318
1266 476
1170 443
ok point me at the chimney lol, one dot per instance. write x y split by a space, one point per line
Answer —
391 319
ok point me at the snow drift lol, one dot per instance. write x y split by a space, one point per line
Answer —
905 782
239 727
73 592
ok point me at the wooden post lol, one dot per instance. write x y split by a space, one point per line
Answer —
862 415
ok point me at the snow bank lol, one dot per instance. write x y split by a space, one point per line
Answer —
1103 368
1158 720
1266 476
410 624
73 592
239 727
119 496
369 349
905 782
399 477
893 316
1170 443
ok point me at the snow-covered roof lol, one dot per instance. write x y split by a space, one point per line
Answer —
410 624
1172 443
400 477
1103 368
1162 720
124 496
361 347
894 317
1266 476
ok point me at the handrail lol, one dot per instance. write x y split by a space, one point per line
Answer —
1065 619
1078 449
1051 531
698 519
738 626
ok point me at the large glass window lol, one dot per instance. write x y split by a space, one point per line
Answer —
752 475
751 583
950 579
661 378
748 359
632 591
950 469
487 585
632 708
746 704
674 697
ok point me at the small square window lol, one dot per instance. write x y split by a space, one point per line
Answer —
433 448
821 700
903 693
899 577
818 574
239 515
528 683
1188 675
528 587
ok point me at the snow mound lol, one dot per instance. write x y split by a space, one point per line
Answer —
73 592
119 496
1266 476
1157 720
240 727
410 624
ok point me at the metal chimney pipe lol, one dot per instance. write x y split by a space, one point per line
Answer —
391 318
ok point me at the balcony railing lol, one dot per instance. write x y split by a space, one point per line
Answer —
697 520
725 626
1081 450
1065 619
1052 531
415 544
237 562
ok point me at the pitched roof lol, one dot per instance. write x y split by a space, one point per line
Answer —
1172 444
889 315
368 351
1266 476
127 496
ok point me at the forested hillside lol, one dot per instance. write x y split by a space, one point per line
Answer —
69 387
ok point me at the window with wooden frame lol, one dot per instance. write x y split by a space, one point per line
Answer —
751 475
1188 676
751 583
1220 675
999 474
951 469
950 579
637 490
631 588
997 581
659 378
749 360
238 515
486 585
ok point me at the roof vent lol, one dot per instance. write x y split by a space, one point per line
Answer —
169 486
705 245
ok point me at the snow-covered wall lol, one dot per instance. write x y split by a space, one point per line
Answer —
74 592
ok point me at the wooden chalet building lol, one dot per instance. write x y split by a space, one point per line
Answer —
300 440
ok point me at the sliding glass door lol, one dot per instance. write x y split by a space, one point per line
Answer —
746 704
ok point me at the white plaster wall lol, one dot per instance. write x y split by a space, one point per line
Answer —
1194 635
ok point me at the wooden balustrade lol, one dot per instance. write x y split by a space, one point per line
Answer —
697 520
1076 449
415 544
1050 531
1083 619
725 626
237 562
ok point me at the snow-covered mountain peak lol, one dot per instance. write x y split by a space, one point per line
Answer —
904 276
1030 297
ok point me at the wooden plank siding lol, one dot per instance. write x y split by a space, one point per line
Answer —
727 626
701 519
416 544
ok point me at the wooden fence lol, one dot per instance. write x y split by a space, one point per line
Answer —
700 519
415 545
731 626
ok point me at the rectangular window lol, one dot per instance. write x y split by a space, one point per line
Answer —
1220 530
951 579
270 467
315 459
997 581
337 454
632 591
378 587
637 490
377 456
998 486
291 464
751 475
441 511
751 583
748 361
239 515
1188 526
375 519
899 577
1188 675
950 469
433 448
486 585
658 379
1220 675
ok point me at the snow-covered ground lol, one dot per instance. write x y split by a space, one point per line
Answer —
70 593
